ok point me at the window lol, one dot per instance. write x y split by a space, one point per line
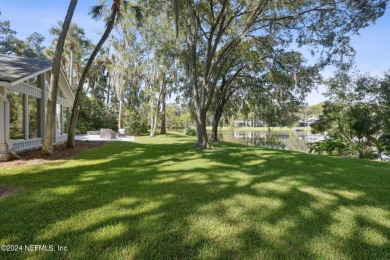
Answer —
33 115
65 119
16 104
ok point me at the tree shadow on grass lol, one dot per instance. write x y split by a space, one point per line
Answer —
129 200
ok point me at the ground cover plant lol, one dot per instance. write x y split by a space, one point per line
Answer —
160 198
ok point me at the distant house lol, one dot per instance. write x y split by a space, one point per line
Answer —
251 123
308 122
24 84
311 120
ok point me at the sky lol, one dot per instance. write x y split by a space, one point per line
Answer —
27 16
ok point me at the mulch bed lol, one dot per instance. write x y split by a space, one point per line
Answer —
60 152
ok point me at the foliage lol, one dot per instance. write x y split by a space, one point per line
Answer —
190 132
94 115
16 115
30 47
384 139
7 36
332 145
75 48
135 123
178 117
383 145
310 111
215 31
117 7
356 126
270 89
358 115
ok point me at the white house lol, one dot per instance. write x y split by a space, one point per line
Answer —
311 120
24 84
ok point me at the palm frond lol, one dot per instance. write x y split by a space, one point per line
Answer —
138 12
96 11
125 5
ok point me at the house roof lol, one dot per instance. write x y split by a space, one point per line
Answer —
14 68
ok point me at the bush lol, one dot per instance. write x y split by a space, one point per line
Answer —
384 139
383 145
94 116
135 124
333 145
190 132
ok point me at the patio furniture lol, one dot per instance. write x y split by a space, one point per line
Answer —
107 133
121 132
93 132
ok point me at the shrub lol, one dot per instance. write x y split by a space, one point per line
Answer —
94 116
332 145
135 124
190 132
383 145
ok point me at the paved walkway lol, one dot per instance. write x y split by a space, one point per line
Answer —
97 138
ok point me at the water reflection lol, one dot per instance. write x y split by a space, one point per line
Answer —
285 140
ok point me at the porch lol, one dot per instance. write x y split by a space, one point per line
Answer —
24 85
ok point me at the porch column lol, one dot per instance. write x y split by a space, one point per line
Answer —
5 143
67 119
55 128
26 118
42 105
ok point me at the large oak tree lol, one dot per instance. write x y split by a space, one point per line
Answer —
215 29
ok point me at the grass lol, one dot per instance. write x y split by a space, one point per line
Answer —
159 198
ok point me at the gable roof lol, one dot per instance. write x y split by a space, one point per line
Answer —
15 69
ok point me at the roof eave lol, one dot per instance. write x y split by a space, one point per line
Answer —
30 76
5 83
67 82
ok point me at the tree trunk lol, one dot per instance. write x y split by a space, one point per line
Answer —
120 114
152 121
155 113
216 118
198 94
154 117
75 109
153 127
201 132
71 69
163 130
108 91
47 147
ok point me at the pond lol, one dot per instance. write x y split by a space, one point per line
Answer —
277 139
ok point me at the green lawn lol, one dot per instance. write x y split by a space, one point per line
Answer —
159 198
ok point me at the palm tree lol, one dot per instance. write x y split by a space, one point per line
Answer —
95 76
47 147
96 11
75 46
